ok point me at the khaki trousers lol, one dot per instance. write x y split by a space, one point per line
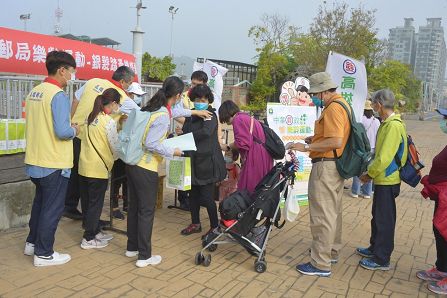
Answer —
325 209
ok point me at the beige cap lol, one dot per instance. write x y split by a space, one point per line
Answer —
368 105
320 82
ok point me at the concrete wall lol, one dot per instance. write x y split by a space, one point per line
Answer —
15 203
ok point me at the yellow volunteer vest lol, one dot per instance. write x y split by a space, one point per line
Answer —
155 159
93 88
90 163
187 103
43 147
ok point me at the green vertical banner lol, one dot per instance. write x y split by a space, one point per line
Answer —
12 136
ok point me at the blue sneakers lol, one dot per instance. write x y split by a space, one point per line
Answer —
371 265
309 269
364 252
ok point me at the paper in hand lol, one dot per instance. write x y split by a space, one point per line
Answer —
184 142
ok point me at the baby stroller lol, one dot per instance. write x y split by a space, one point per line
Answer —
253 215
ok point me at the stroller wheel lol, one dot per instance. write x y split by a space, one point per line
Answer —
198 258
212 247
260 266
207 261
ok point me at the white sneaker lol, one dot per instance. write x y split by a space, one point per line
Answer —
94 243
55 259
366 197
103 236
131 254
29 249
354 195
154 260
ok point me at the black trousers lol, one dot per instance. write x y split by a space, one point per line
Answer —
441 248
73 191
93 191
203 195
118 179
383 222
143 189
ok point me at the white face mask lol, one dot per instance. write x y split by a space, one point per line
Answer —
137 99
73 77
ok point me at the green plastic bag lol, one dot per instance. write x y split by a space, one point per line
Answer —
178 173
12 136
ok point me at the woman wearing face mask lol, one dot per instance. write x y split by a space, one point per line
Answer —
143 177
98 146
435 187
207 163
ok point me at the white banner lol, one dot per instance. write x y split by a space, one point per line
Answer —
215 74
350 76
294 124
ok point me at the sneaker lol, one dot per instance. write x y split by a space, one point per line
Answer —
103 236
432 274
371 265
309 269
117 214
29 249
154 260
366 197
94 243
334 260
354 195
364 252
192 228
73 214
439 287
55 259
131 253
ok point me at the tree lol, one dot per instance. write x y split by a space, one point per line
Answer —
156 69
275 30
399 78
347 31
275 60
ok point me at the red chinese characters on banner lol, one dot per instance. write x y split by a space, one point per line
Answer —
25 53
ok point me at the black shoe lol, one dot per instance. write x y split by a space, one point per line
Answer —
73 214
118 215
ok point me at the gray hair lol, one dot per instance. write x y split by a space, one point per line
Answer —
385 97
123 73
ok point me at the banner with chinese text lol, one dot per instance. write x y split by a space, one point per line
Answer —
215 74
350 76
294 124
25 53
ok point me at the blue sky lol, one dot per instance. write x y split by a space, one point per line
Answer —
202 28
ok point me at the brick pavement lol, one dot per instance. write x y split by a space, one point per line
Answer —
108 273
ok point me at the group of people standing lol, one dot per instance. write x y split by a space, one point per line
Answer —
77 151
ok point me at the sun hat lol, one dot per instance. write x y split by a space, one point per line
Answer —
320 82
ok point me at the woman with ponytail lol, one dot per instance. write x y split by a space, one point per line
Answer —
143 177
98 147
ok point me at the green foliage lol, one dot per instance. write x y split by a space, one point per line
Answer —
399 78
156 69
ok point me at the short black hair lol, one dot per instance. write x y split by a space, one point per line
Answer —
368 113
332 90
123 73
200 75
200 91
227 110
58 59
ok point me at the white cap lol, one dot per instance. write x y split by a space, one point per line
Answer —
135 88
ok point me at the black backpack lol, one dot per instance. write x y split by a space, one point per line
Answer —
357 153
273 143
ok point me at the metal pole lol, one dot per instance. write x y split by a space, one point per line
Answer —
172 29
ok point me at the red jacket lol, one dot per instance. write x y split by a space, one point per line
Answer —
437 192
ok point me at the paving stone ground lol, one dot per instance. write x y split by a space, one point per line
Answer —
108 273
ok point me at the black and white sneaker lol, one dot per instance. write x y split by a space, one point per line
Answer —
55 259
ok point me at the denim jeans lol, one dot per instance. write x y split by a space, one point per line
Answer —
46 212
366 188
